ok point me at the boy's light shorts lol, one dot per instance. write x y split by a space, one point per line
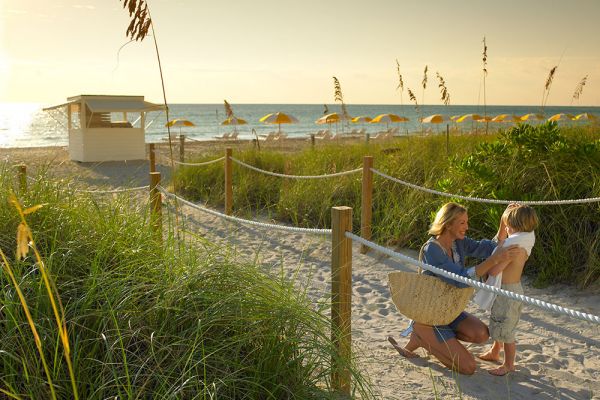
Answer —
505 315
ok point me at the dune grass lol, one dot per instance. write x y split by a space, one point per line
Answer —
544 162
150 321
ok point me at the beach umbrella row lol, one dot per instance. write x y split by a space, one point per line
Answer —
283 118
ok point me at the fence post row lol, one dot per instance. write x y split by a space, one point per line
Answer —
181 148
152 157
228 182
22 177
366 204
341 297
155 203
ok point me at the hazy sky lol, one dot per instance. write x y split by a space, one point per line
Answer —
279 51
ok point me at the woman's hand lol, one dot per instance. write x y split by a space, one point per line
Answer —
505 254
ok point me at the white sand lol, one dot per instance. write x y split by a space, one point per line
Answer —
557 356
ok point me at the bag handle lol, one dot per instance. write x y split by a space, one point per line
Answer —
419 269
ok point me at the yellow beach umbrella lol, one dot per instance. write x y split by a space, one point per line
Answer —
485 118
329 119
586 117
467 117
279 118
561 117
361 119
179 122
532 117
434 119
387 119
235 121
506 118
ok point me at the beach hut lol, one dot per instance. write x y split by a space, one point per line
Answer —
106 128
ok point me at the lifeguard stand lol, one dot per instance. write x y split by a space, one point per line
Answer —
106 128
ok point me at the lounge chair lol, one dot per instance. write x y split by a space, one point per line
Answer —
225 136
325 135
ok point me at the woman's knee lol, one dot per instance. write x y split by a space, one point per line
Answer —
467 366
481 335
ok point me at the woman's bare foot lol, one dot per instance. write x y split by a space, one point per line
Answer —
402 350
501 371
489 356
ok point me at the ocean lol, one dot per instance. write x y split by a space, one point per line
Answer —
26 125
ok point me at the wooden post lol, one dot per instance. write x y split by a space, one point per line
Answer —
155 202
367 138
312 139
228 182
366 203
152 157
447 140
341 296
22 177
182 148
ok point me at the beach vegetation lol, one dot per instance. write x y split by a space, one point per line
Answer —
526 163
140 317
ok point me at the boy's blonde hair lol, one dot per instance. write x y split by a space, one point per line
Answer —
521 218
444 217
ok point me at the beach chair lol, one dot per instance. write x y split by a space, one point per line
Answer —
233 136
325 135
362 131
268 137
224 136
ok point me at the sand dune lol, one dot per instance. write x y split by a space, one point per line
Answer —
557 356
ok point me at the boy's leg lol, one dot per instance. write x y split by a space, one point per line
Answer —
493 354
510 350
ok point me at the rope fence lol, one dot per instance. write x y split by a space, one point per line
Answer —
458 278
353 171
482 200
241 220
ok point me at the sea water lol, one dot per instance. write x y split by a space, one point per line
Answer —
27 125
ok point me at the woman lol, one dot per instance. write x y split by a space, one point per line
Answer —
447 249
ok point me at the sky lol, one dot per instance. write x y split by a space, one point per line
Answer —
279 51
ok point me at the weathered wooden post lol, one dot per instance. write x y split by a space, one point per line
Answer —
312 139
152 157
367 138
156 203
366 203
447 140
228 182
341 297
22 177
182 148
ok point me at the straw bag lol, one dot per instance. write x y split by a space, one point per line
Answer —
427 299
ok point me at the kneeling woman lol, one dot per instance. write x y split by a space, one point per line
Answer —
447 249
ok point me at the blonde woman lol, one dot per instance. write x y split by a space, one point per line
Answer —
447 249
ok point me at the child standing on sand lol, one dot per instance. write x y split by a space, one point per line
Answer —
520 222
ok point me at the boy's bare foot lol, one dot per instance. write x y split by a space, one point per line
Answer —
403 352
489 356
501 371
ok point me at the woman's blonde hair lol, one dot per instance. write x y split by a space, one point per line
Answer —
444 217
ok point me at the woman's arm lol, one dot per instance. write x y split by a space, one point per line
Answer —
501 258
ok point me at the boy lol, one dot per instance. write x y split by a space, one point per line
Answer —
520 222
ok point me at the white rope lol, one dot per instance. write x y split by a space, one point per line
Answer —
244 221
480 200
353 171
473 283
200 164
120 190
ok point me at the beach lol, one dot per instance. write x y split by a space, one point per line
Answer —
557 356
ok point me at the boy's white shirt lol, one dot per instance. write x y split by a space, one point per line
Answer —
485 299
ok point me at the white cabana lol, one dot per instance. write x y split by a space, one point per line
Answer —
106 128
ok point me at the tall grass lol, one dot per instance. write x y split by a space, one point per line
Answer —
150 321
523 163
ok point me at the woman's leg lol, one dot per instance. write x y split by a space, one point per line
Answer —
472 330
451 353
